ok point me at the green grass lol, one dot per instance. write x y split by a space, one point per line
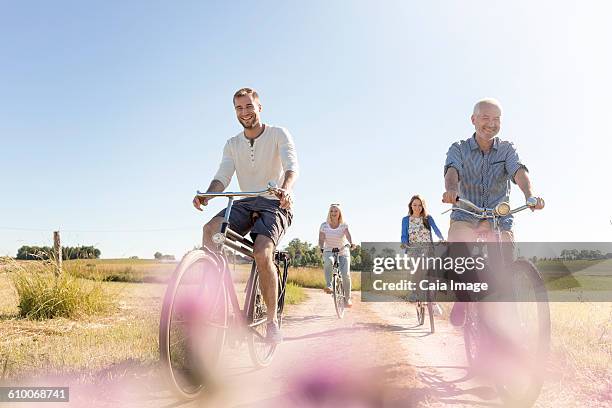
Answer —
294 294
315 278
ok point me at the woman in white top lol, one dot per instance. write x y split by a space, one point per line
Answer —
334 233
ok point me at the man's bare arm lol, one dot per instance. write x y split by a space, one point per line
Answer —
522 180
451 184
215 187
285 198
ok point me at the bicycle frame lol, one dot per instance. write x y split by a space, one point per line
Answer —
227 238
500 210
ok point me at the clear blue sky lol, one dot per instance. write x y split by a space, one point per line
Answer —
113 113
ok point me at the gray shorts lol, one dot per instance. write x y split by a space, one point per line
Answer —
272 222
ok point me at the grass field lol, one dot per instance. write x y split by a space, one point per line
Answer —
579 275
315 278
30 348
121 270
581 342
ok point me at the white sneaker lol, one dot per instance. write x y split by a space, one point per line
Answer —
273 333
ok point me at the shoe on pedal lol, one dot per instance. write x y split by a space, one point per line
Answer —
457 315
327 290
349 303
273 333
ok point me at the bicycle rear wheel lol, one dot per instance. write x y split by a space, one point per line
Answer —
338 291
260 350
521 379
193 324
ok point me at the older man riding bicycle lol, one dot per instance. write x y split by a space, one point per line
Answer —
480 169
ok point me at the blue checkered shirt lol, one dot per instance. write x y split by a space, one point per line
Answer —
484 178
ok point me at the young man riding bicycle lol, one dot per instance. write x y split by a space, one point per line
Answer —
258 155
480 169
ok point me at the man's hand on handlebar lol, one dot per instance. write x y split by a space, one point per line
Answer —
285 197
198 201
450 197
535 203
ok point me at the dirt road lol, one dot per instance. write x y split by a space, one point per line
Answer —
374 357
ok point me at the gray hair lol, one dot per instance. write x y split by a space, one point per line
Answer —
486 101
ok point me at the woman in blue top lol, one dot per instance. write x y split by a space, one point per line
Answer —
417 225
416 233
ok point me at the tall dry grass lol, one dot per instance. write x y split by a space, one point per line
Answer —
42 294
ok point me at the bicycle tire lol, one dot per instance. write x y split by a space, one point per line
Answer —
474 335
338 291
282 289
535 362
185 315
260 350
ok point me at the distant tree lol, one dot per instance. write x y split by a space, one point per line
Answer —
27 252
304 253
38 253
157 255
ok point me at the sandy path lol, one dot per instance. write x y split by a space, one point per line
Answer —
323 361
375 357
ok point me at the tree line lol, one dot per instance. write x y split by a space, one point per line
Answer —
307 255
584 254
27 252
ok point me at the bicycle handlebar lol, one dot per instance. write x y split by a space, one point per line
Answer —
502 209
272 188
338 249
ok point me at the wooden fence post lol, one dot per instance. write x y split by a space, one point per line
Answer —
57 251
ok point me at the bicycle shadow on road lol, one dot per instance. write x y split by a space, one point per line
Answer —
355 328
446 390
294 320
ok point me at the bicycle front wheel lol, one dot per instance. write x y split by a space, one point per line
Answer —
338 290
474 335
193 324
521 379
260 349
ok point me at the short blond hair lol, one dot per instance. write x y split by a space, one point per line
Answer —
245 92
340 217
486 101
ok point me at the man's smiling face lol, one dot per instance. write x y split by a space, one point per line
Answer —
248 110
487 121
